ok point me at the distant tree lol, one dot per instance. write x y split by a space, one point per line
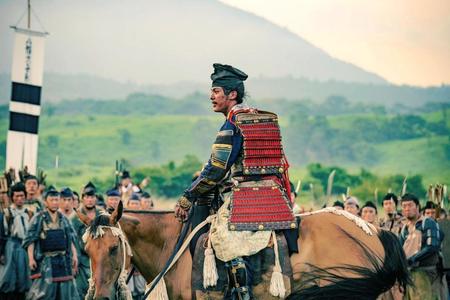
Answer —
335 104
170 180
414 184
342 179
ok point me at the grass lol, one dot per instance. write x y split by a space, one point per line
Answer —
88 146
418 156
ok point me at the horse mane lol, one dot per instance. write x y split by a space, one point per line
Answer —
365 282
100 220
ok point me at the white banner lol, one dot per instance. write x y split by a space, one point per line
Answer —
22 149
26 75
28 57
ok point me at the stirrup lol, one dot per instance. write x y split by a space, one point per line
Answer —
238 279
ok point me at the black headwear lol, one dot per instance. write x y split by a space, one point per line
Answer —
18 187
51 192
66 193
410 197
338 203
31 177
113 193
89 189
390 196
125 174
228 77
370 204
429 205
135 196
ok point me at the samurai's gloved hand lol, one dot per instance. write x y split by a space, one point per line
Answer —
182 209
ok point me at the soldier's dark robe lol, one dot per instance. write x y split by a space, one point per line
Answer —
14 277
53 277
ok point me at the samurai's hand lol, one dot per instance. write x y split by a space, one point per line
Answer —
182 209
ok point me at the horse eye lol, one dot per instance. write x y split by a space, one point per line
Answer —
113 249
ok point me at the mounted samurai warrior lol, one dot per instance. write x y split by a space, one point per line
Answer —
247 161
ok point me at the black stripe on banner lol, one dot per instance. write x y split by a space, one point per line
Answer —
23 122
26 93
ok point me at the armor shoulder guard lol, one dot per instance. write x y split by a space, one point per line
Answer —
430 232
262 148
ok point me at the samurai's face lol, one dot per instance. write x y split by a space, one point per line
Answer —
89 201
389 206
31 186
410 210
369 214
18 198
220 101
112 201
52 203
66 204
430 212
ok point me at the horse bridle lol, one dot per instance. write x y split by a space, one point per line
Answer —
126 250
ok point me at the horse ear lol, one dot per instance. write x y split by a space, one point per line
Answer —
84 218
117 214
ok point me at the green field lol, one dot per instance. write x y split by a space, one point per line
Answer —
88 146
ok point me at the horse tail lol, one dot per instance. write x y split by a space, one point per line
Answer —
364 282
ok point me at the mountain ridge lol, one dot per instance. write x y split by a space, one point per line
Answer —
166 41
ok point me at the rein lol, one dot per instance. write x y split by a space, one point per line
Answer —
171 261
122 291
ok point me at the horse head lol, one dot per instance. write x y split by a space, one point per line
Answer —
109 253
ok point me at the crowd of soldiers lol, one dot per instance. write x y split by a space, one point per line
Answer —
420 235
42 254
41 250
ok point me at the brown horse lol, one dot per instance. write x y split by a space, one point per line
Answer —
337 258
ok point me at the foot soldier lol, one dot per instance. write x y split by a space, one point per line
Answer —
421 239
88 208
392 220
248 152
15 281
51 251
33 202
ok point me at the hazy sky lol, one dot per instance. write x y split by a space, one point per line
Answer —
404 41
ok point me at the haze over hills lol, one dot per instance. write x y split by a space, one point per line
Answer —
59 87
167 41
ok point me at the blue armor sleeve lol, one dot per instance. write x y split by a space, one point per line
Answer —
431 241
33 231
225 151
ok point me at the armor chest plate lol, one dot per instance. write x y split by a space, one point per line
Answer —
54 241
262 150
